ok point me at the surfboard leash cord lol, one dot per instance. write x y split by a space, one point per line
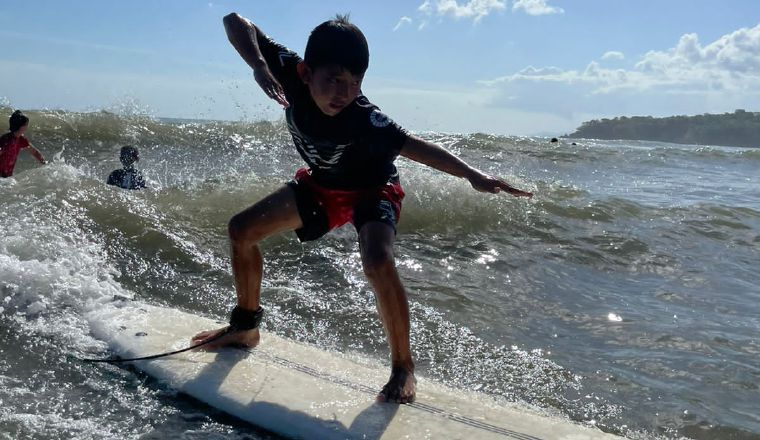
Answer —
159 355
240 319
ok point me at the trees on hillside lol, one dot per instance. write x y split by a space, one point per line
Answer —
740 128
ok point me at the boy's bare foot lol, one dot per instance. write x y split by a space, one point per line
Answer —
237 338
401 387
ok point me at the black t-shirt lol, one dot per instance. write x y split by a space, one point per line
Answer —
127 178
354 149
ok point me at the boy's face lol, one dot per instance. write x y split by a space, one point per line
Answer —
21 130
332 87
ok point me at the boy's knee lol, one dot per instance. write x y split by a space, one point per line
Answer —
377 262
234 229
241 232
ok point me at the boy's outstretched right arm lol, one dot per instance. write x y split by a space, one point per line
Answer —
243 36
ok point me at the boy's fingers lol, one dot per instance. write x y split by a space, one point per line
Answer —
280 98
514 191
275 91
520 193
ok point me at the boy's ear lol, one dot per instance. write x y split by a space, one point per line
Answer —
304 72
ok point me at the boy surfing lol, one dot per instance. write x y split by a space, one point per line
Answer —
349 147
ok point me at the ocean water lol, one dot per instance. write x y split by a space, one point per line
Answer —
624 295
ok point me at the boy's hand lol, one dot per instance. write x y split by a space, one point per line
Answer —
270 86
485 183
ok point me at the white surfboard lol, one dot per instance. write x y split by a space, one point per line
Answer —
302 392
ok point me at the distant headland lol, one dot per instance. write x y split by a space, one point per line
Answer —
738 129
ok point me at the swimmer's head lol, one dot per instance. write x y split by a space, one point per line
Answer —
17 120
128 155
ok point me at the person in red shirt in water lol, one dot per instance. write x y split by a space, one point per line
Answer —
13 142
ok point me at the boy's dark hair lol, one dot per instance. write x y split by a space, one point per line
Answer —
128 155
340 42
17 120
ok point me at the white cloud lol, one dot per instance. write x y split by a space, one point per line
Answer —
536 7
688 78
737 52
475 9
613 55
731 64
402 21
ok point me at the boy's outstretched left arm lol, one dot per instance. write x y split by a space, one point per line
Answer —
435 156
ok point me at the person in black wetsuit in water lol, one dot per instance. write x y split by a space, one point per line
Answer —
127 177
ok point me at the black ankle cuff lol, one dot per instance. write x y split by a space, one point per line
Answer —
242 319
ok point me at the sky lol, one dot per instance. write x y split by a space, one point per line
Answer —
514 67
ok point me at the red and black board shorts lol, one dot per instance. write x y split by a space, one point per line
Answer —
324 209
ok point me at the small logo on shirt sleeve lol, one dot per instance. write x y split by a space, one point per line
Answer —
379 119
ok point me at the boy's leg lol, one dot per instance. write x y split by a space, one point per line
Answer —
275 213
376 245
